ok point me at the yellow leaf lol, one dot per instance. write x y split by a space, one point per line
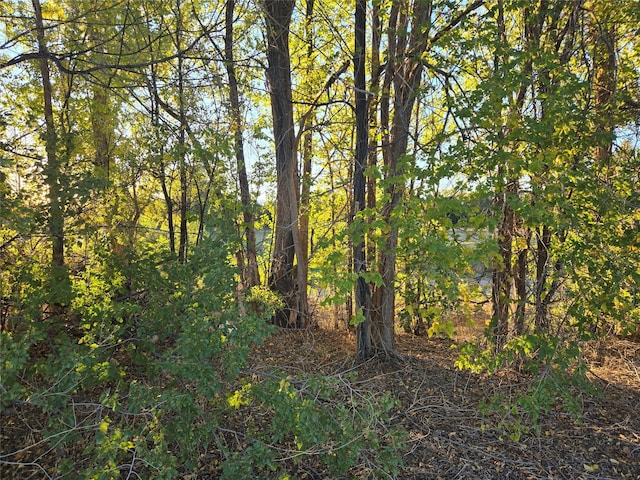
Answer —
591 468
104 426
240 397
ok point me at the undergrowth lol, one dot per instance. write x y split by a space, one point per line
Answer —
141 381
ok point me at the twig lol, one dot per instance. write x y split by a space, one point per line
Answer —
27 464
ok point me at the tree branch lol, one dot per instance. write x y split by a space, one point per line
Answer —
456 20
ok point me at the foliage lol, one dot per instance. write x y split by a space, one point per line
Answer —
181 331
554 375
313 419
502 169
154 366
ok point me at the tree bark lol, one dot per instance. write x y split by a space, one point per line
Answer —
502 281
102 127
406 74
520 282
307 160
403 72
373 104
542 273
182 144
362 296
251 275
53 174
283 277
603 33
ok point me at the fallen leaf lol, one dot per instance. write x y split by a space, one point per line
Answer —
591 468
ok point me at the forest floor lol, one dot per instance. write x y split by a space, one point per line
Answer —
449 438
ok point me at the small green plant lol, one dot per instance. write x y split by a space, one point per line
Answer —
313 419
556 377
264 301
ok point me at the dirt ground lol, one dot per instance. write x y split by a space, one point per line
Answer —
450 439
438 405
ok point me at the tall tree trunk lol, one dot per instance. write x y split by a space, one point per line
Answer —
307 158
542 274
406 74
182 144
158 149
544 288
168 201
102 127
403 71
377 325
251 275
382 335
283 278
53 174
501 267
362 296
373 104
203 205
102 118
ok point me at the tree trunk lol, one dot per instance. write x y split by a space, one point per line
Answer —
102 127
603 34
102 117
251 275
501 278
287 241
307 158
544 292
158 152
373 104
520 281
406 74
53 174
182 145
362 296
542 273
403 72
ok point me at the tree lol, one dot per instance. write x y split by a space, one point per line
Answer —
410 38
363 299
251 274
283 276
53 172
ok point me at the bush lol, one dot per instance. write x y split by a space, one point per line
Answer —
317 422
555 373
140 379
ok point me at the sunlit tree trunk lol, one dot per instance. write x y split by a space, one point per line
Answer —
307 158
251 273
52 172
284 278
